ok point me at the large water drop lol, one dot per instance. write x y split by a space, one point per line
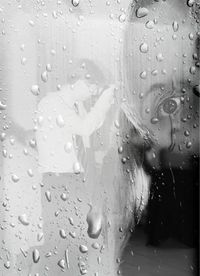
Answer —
48 195
175 26
144 48
83 248
141 12
190 3
23 219
94 220
44 76
61 263
75 3
36 256
15 178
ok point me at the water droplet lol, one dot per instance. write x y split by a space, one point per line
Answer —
23 60
31 23
40 120
2 106
32 143
191 36
190 3
7 264
62 233
23 219
143 75
48 67
117 125
149 24
77 168
60 121
22 47
99 260
75 3
122 17
71 221
175 26
68 147
30 172
144 48
53 52
44 76
12 140
67 258
36 255
174 36
154 72
83 248
61 263
154 120
64 48
63 196
141 95
159 57
82 267
94 221
15 178
196 90
48 195
4 152
186 133
3 136
40 236
95 245
55 14
188 144
192 70
120 149
147 110
72 234
49 254
124 160
141 12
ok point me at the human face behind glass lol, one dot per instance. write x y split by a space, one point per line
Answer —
161 73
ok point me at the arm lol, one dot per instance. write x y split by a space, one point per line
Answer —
52 106
95 118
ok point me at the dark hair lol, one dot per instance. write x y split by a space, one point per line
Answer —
181 5
83 67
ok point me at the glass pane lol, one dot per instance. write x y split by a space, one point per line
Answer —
99 111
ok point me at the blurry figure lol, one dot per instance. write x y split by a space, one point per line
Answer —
93 190
61 117
74 163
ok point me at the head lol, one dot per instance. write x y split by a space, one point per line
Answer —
162 70
90 78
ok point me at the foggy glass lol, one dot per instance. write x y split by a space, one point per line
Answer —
99 104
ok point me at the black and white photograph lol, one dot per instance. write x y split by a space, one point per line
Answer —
99 137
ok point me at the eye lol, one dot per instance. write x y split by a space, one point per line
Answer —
169 106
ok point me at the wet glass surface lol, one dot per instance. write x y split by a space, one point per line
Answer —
99 111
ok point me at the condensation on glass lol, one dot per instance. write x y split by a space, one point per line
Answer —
83 84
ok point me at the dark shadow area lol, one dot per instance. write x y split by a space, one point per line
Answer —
166 242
